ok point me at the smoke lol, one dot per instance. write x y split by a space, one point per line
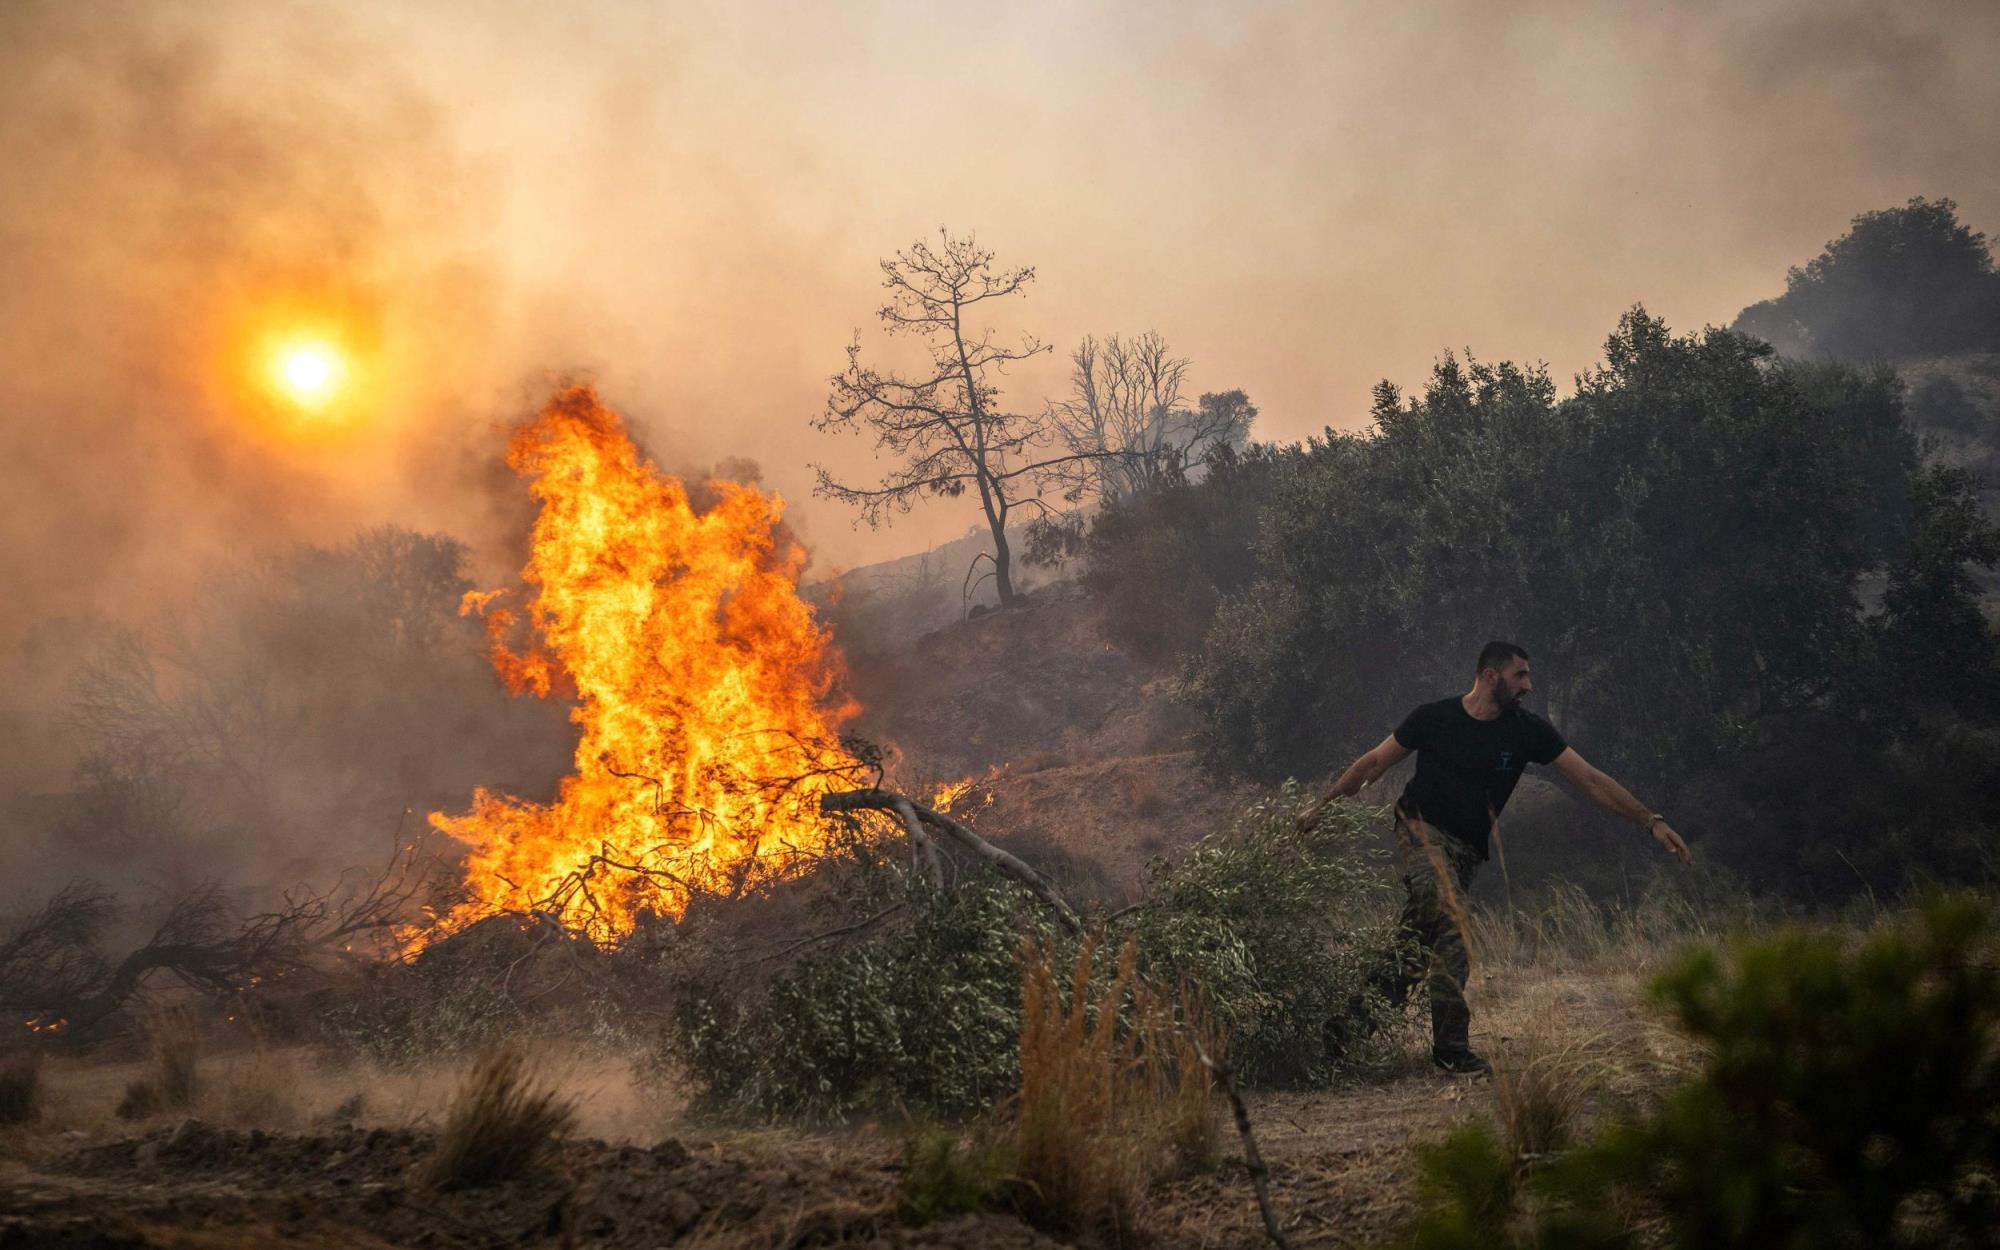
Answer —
193 648
687 204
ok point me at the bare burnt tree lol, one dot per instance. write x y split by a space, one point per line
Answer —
55 974
1128 420
946 425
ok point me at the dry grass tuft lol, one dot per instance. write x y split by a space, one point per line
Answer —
1112 1093
21 1087
1541 1092
498 1124
1185 1088
1566 929
1142 796
265 1092
175 1050
1079 1078
176 1059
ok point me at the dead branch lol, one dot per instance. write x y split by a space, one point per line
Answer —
52 956
827 935
926 849
51 967
1253 1159
1002 861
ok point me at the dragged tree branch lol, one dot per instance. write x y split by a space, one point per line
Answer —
1001 861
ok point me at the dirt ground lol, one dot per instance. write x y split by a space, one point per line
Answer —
339 1174
1340 1165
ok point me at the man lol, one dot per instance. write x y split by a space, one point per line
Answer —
1470 753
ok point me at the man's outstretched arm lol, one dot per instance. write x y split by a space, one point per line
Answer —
1616 799
1371 765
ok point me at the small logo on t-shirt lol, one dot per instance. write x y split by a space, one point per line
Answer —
1506 762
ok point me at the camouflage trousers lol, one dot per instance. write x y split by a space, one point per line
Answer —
1431 945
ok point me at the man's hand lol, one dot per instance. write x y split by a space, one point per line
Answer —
1617 800
1371 765
1671 842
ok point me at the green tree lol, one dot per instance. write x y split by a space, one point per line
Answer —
1161 561
1902 283
1729 568
1679 544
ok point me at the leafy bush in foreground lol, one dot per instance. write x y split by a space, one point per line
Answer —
928 1015
1280 929
1272 929
1851 1097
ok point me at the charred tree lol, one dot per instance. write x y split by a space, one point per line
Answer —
945 425
56 976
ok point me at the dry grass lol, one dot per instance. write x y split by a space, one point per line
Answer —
498 1124
268 1090
1542 1090
1113 1094
174 1050
1081 1171
1185 1089
1566 929
1573 1045
21 1087
1142 796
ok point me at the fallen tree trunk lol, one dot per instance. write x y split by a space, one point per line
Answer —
1007 864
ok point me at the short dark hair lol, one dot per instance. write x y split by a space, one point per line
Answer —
1498 655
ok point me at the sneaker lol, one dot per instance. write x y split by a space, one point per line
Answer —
1461 1063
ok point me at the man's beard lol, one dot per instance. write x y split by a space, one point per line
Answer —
1507 699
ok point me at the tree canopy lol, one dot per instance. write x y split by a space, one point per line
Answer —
1901 284
1705 549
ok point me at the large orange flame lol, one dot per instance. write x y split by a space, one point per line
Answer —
702 684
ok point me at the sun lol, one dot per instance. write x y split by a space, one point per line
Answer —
308 373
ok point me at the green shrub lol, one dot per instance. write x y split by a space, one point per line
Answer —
947 1174
1851 1097
1276 930
926 1015
1280 929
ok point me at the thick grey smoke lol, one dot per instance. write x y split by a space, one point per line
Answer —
180 193
687 202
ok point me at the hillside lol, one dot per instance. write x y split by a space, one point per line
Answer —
1076 749
1079 758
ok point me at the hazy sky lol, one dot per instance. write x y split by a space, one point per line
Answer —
687 201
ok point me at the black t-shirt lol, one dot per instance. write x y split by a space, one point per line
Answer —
1467 768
